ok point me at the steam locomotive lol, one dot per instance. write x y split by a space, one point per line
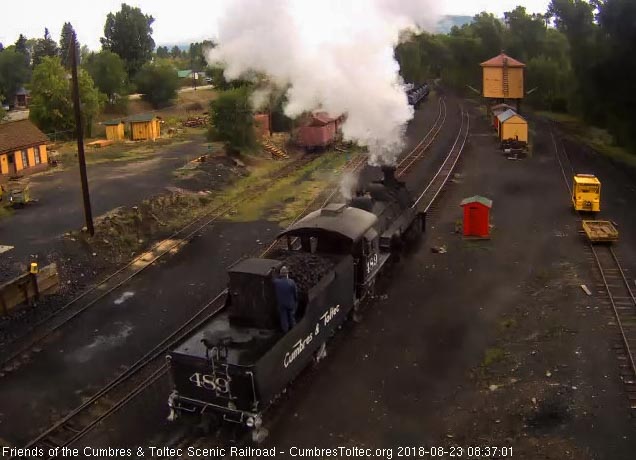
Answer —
236 365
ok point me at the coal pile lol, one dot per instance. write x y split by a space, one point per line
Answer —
305 269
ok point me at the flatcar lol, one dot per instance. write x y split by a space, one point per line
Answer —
235 366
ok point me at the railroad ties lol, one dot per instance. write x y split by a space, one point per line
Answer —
621 298
432 191
412 158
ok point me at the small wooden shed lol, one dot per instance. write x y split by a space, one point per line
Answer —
115 130
512 126
144 127
476 216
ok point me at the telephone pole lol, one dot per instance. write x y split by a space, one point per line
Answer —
88 214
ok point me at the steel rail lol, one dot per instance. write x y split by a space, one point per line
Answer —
419 150
602 270
213 215
453 155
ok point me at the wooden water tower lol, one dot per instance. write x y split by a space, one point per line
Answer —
503 80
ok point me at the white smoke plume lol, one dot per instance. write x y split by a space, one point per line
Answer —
333 55
348 183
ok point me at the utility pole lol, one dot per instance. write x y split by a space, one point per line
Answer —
88 214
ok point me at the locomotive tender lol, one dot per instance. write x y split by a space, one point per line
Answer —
235 365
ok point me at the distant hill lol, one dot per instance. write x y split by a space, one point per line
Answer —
445 24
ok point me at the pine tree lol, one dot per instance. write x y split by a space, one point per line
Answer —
44 47
65 45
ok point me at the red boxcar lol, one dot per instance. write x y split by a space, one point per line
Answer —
318 131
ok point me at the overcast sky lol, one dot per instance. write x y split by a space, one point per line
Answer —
174 21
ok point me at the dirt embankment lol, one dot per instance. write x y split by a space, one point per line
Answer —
124 232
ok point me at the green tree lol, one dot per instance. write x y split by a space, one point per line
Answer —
175 52
108 72
526 33
158 83
65 45
22 48
128 33
44 47
232 119
14 72
162 52
51 100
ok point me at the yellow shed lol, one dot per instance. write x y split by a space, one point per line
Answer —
512 126
144 127
115 130
22 148
503 78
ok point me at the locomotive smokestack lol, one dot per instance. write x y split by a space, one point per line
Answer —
389 176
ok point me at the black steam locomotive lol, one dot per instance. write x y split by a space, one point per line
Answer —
418 94
235 366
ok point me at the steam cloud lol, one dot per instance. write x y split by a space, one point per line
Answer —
332 55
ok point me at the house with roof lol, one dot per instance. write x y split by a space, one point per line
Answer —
22 149
22 98
145 126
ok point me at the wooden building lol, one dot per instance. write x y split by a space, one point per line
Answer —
262 125
144 127
115 130
476 217
503 78
512 127
22 148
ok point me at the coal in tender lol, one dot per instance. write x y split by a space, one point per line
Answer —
306 269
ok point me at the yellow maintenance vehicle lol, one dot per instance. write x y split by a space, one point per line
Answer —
586 193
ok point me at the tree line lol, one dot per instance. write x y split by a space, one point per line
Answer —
127 63
577 55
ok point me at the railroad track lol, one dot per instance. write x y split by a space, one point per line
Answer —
432 191
411 159
151 367
426 200
20 348
616 285
148 369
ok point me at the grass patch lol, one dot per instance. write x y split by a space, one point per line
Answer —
493 356
285 199
67 152
596 138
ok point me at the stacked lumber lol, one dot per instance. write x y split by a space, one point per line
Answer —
196 122
276 152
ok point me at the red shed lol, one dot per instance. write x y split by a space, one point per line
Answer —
318 131
477 216
262 124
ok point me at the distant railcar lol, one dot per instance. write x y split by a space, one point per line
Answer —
317 132
418 94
